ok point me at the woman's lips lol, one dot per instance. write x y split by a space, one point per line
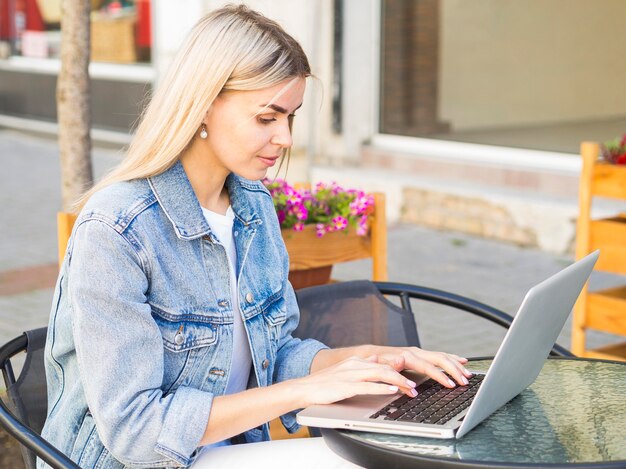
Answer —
269 160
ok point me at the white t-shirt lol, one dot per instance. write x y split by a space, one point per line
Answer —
222 227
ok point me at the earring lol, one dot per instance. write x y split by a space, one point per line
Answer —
203 132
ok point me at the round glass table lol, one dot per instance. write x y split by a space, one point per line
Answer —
573 415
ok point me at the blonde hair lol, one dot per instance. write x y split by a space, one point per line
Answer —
231 49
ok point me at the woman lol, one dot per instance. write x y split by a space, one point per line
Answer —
171 324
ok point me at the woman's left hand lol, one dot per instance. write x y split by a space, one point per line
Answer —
425 362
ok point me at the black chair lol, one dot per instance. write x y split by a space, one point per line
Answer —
24 414
352 313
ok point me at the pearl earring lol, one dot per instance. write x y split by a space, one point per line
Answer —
203 132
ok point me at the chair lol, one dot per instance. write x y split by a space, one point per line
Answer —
24 413
65 223
356 312
603 310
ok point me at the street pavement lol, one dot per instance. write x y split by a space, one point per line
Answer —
493 272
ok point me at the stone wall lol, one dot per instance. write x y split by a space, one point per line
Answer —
466 214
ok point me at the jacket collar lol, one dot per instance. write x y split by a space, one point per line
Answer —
181 206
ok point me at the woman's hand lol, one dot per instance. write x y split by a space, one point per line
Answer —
348 378
427 363
398 359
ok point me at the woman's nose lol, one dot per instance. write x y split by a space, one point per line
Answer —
282 137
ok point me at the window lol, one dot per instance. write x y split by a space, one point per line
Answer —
537 74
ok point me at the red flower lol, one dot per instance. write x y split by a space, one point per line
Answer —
621 159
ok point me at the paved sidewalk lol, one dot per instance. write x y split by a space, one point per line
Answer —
493 272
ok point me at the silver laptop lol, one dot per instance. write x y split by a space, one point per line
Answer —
516 365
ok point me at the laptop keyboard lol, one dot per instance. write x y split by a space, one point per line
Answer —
433 404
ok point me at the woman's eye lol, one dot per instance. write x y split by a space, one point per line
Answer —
266 120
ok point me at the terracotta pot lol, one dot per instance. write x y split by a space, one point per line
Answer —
311 257
310 277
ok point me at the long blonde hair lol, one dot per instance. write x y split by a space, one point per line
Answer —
232 48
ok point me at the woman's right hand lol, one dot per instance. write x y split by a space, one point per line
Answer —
348 378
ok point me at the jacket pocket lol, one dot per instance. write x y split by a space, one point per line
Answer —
275 317
181 333
185 341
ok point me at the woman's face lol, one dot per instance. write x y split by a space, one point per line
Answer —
248 130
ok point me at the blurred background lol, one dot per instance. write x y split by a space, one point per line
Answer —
464 107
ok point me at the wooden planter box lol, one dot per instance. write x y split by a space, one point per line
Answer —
608 180
311 258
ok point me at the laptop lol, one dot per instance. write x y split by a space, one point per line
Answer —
438 412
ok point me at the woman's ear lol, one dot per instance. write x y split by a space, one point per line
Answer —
205 119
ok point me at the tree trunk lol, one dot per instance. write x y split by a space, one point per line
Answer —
73 101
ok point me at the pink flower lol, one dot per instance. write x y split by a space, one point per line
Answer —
361 229
340 223
328 206
301 212
320 230
294 198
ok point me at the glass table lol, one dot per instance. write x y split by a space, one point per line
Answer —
573 415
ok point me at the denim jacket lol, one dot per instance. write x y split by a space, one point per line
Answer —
140 334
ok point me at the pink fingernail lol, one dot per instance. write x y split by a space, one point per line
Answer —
451 382
410 383
413 392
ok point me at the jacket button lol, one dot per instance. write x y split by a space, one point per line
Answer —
178 338
265 364
222 303
249 297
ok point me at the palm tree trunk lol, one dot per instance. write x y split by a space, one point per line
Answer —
73 101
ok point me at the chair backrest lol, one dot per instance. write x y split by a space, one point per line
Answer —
28 394
25 413
353 313
65 223
601 310
358 312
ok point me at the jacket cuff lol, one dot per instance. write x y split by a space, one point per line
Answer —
300 365
184 425
294 360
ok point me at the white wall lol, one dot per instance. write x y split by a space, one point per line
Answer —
361 50
171 22
507 62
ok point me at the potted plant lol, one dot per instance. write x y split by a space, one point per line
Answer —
321 227
608 167
614 151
